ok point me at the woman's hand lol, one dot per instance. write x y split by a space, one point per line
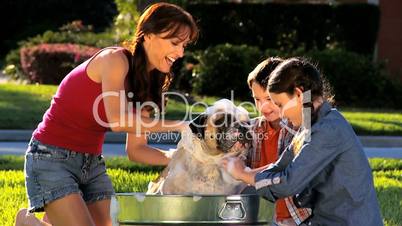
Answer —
138 150
170 153
183 125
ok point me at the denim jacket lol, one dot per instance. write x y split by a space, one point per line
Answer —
331 165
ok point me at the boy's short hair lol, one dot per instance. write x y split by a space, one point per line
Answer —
261 73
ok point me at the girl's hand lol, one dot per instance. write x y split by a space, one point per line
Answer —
235 166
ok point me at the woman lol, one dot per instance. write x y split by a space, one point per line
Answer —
326 155
271 140
65 171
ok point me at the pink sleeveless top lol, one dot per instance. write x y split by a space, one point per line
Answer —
70 122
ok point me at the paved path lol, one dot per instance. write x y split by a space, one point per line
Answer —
18 148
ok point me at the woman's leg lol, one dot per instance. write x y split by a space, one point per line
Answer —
100 212
46 219
98 190
69 210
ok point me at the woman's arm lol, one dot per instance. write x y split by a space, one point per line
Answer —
113 68
139 151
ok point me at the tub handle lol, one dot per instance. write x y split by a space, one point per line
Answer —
232 210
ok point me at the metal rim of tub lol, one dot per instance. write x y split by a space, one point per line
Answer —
141 209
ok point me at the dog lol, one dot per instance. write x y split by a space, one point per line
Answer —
220 132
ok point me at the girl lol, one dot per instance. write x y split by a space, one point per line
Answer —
326 155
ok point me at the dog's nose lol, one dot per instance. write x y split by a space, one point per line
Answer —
239 135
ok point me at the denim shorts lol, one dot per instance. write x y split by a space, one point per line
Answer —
52 173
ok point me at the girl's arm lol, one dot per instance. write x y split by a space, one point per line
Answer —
314 156
237 168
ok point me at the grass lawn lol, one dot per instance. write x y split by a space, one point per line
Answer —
129 177
22 107
374 122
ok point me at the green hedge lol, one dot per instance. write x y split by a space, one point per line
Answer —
224 68
356 80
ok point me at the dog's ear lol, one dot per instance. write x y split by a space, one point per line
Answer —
197 126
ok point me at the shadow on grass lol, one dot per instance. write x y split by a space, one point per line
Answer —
11 162
360 130
391 123
21 109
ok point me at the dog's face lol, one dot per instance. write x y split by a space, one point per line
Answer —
223 131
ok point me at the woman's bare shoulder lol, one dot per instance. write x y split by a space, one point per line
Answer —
113 55
111 60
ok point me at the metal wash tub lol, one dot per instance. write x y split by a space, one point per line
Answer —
141 209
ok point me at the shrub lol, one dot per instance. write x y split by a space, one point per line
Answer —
74 32
356 80
13 65
83 38
223 68
126 20
34 17
183 73
50 63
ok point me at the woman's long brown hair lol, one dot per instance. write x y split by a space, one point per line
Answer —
158 18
